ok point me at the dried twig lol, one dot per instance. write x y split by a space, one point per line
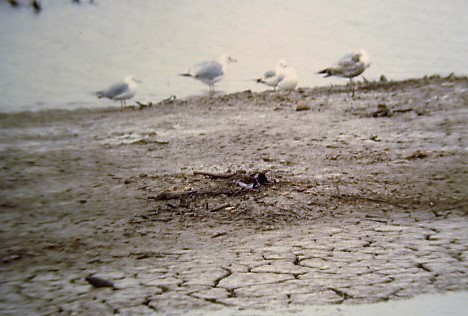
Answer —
171 195
219 208
143 105
214 175
403 110
219 234
163 196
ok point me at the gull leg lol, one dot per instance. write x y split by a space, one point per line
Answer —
352 86
211 89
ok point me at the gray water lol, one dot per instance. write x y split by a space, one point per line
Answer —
57 58
448 304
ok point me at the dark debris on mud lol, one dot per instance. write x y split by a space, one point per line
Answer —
282 200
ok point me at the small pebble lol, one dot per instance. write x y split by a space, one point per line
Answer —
99 282
302 106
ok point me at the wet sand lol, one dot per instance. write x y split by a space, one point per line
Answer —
366 201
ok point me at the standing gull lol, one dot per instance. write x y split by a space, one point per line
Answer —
121 91
210 72
350 66
282 77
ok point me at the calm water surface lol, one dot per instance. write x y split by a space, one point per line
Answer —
57 58
448 304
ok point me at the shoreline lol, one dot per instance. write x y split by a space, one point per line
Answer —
332 89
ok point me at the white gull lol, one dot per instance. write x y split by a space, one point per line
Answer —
121 91
350 66
210 72
282 77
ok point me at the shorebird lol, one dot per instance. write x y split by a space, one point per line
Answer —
210 72
350 66
282 77
121 91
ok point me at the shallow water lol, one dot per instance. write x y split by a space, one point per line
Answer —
449 304
55 59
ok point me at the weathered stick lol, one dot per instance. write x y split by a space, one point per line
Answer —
164 196
214 175
171 195
219 208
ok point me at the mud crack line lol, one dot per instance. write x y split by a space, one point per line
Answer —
343 294
224 276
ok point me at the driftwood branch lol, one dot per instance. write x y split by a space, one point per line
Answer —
214 175
164 196
171 195
219 208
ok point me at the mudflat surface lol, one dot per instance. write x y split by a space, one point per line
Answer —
366 201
